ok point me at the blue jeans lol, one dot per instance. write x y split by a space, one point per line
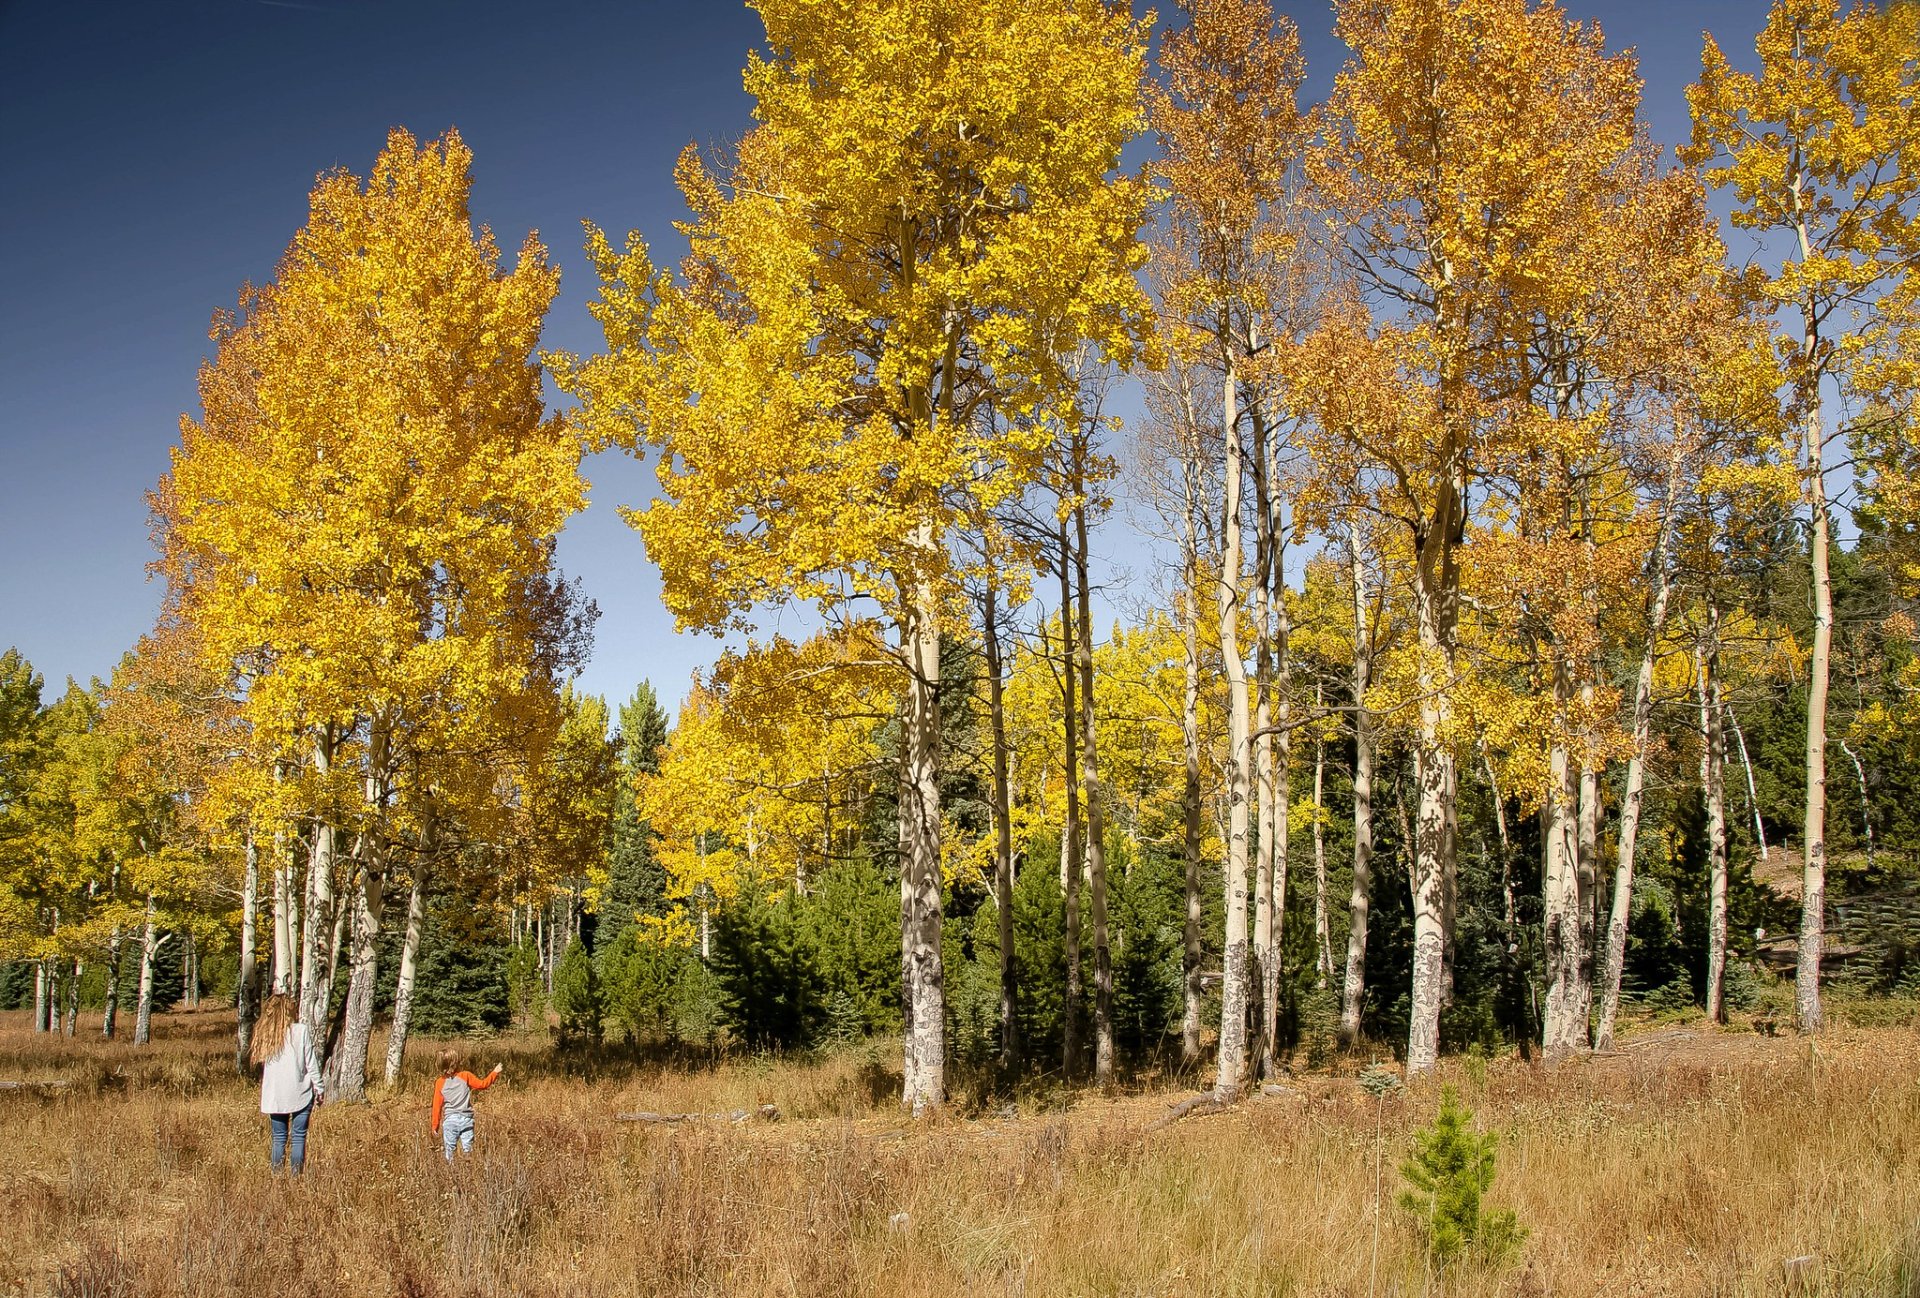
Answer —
290 1138
456 1128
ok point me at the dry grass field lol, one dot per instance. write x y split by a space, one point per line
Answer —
1690 1162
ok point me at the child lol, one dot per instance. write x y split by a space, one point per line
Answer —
453 1103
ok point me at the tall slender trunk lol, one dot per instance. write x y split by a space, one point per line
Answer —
74 971
150 943
409 962
1193 994
1587 868
1813 886
1353 988
1565 1028
1631 801
1002 827
1096 814
1713 760
1282 784
1231 1077
925 1087
1263 980
1071 862
1866 807
110 1014
42 994
316 961
247 996
1437 780
1753 794
1322 922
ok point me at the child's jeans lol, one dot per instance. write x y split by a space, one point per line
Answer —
456 1128
290 1138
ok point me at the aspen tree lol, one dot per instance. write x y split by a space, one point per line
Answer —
1818 151
361 527
1230 128
923 222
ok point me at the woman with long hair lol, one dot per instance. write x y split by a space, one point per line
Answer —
290 1084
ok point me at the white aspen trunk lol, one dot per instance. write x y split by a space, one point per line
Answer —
73 996
316 961
1564 1030
1263 980
1096 816
1753 793
1231 1077
110 1015
281 978
247 994
347 1070
1322 923
1706 660
42 994
1866 809
1434 775
1813 886
1635 796
1193 994
1002 827
925 1087
409 962
150 943
1353 988
1587 872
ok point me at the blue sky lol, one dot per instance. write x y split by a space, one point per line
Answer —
155 156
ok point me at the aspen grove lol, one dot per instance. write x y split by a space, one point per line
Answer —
1202 579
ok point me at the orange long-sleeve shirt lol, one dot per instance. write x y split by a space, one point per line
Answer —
462 1099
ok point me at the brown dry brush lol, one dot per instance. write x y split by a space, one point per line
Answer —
1699 1165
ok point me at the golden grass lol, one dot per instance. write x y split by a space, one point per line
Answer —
1695 1163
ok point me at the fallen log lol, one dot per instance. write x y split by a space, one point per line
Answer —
1195 1105
24 1086
766 1112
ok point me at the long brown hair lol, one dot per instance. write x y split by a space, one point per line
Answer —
270 1033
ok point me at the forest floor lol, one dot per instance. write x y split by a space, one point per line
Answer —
1689 1161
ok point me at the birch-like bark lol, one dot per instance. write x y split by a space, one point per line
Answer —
1322 925
319 919
41 994
1713 761
1564 1029
1435 775
1096 814
1002 826
247 996
1631 802
74 971
1353 988
1813 885
347 1070
1231 1077
926 1088
110 1014
409 963
1264 981
150 943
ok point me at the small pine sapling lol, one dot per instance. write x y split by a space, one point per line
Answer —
1451 1168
